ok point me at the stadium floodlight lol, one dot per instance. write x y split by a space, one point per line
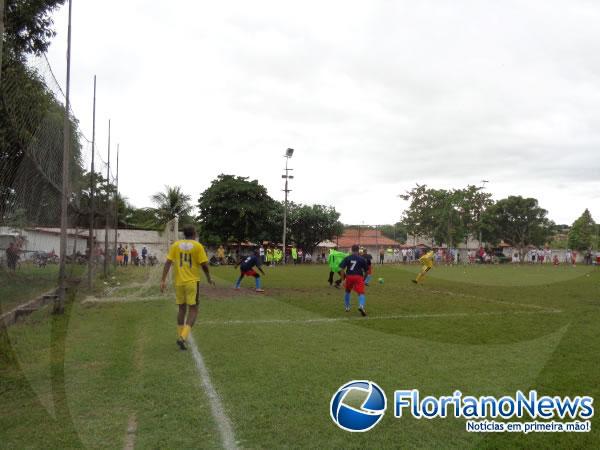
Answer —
288 154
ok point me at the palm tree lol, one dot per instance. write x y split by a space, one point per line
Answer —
170 203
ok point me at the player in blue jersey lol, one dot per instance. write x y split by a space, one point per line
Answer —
247 266
354 269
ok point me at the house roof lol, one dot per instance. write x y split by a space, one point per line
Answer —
366 237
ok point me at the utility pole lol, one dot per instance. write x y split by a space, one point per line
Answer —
59 305
91 252
483 182
106 214
288 154
1 34
116 208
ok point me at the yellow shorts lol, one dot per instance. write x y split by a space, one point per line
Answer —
427 267
187 294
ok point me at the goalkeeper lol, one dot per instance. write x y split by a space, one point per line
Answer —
427 261
334 260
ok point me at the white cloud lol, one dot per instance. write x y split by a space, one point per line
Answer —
374 96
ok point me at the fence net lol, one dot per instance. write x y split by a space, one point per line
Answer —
32 121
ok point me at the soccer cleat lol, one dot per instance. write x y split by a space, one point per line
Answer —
260 290
237 288
415 281
362 311
181 344
348 309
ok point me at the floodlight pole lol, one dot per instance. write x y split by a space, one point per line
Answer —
483 182
91 256
59 305
116 207
107 211
288 154
1 34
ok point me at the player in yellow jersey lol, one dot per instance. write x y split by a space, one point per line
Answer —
427 261
187 256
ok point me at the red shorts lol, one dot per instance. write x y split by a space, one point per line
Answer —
250 273
356 282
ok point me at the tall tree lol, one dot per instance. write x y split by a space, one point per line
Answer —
28 25
31 121
235 208
583 232
170 203
397 232
518 221
436 213
310 225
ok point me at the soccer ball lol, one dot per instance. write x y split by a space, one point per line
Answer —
380 280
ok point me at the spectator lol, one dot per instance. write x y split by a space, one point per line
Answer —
381 255
126 255
12 256
568 256
221 254
144 254
294 252
300 255
548 256
134 255
120 252
261 254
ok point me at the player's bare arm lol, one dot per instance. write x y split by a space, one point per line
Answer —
207 273
163 281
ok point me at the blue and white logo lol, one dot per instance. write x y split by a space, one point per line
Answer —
358 406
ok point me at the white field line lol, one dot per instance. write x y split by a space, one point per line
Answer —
130 435
499 302
218 412
320 320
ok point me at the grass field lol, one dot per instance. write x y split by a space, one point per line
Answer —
25 284
275 359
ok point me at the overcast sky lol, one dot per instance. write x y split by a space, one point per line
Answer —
373 96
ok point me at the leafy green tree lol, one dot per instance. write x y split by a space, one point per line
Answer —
446 216
310 225
518 221
436 213
28 25
397 232
583 232
31 121
171 203
234 208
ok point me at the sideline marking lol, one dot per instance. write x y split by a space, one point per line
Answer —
390 317
131 430
218 412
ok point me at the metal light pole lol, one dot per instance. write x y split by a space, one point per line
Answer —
288 154
116 209
483 182
60 304
91 245
107 211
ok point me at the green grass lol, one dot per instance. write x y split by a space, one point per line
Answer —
276 359
25 284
